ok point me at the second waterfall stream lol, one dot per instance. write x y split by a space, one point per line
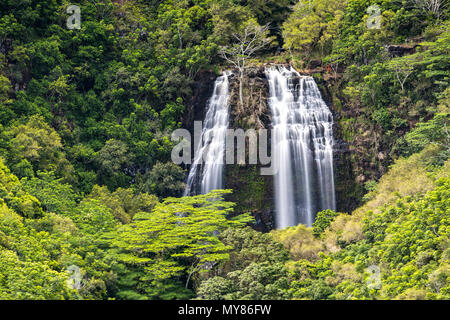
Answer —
206 172
303 148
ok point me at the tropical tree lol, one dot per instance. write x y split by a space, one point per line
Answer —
312 23
177 240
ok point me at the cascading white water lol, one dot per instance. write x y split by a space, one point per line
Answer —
206 171
303 148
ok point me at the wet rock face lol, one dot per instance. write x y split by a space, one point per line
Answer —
400 50
252 192
202 87
348 191
313 64
253 113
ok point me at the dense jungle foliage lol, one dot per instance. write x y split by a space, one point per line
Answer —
90 203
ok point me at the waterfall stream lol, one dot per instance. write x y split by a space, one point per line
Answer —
303 148
206 171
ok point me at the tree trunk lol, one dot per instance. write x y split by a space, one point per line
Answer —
241 78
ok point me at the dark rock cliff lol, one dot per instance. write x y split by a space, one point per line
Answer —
252 192
202 88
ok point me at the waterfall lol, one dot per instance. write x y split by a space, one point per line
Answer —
303 148
206 171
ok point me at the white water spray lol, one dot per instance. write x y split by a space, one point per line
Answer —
303 148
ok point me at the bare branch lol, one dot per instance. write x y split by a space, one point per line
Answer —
249 41
434 6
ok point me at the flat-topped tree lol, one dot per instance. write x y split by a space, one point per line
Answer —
177 240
